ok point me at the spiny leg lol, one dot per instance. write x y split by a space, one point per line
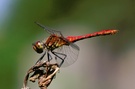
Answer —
49 57
41 58
62 59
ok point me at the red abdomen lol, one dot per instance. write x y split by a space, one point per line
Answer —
100 33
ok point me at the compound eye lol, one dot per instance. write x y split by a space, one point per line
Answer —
38 44
38 47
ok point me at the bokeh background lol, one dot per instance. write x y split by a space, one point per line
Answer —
104 62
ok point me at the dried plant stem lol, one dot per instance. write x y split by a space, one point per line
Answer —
44 72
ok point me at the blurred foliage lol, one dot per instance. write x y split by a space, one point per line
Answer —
20 29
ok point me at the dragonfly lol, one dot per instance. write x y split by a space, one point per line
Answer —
64 49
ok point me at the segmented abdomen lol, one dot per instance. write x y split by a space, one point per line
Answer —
100 33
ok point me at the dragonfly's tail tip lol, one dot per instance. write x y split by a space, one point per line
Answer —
114 31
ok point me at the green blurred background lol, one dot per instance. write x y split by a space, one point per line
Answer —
104 62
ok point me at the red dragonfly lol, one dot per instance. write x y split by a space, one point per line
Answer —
63 48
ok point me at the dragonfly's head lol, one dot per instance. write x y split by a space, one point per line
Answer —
38 47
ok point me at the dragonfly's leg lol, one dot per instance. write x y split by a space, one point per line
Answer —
49 57
60 54
62 59
41 58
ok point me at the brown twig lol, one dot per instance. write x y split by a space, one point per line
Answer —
44 72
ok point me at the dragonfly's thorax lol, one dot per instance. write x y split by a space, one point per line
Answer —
55 41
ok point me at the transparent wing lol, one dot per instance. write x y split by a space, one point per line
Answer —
68 53
71 51
49 30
